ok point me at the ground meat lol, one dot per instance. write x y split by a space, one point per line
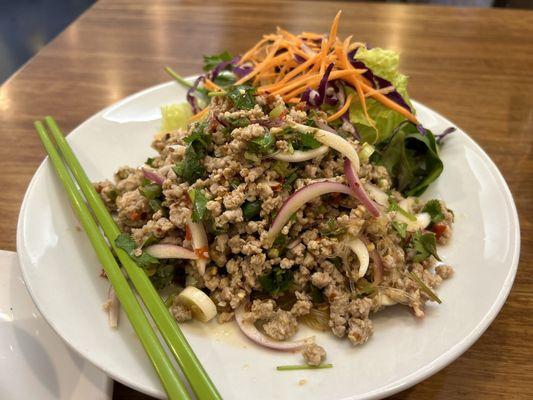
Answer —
132 208
108 193
282 326
444 271
180 312
310 253
313 354
359 330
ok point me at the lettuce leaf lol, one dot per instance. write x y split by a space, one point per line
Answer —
383 64
411 158
175 116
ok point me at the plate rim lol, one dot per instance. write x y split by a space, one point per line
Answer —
408 381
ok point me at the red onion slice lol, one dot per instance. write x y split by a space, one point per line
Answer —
152 176
299 156
200 244
299 198
359 191
170 251
256 336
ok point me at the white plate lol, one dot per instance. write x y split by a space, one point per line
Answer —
61 272
34 362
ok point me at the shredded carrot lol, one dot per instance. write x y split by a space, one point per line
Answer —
287 65
209 85
342 110
199 115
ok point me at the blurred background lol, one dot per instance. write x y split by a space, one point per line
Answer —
27 25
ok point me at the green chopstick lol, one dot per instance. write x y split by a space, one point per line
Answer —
199 380
170 379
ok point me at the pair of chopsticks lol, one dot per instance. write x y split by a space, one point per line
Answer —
197 377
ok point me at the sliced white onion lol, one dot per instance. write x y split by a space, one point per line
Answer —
111 306
377 194
376 260
422 219
332 140
299 156
299 198
201 306
200 244
153 176
258 337
170 251
361 251
359 191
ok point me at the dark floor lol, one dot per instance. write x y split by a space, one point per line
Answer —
27 25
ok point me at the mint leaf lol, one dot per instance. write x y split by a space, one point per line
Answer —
126 243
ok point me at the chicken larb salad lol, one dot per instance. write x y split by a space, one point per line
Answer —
285 192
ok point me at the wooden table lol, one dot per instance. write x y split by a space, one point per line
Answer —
472 65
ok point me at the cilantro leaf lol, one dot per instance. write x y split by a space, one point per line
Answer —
276 281
211 62
125 242
425 245
150 161
242 97
434 209
199 203
401 228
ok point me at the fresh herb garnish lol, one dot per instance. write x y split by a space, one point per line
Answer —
276 281
394 206
163 276
155 204
263 144
150 240
282 168
224 79
316 295
251 209
150 161
126 243
401 228
434 209
151 191
239 122
242 97
425 288
199 204
331 228
211 62
411 159
191 168
305 141
303 366
425 245
289 180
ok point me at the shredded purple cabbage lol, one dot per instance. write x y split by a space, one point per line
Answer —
298 58
223 65
378 82
242 70
315 98
445 133
421 129
191 94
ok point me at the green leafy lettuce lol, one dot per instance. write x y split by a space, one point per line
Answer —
383 63
412 159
